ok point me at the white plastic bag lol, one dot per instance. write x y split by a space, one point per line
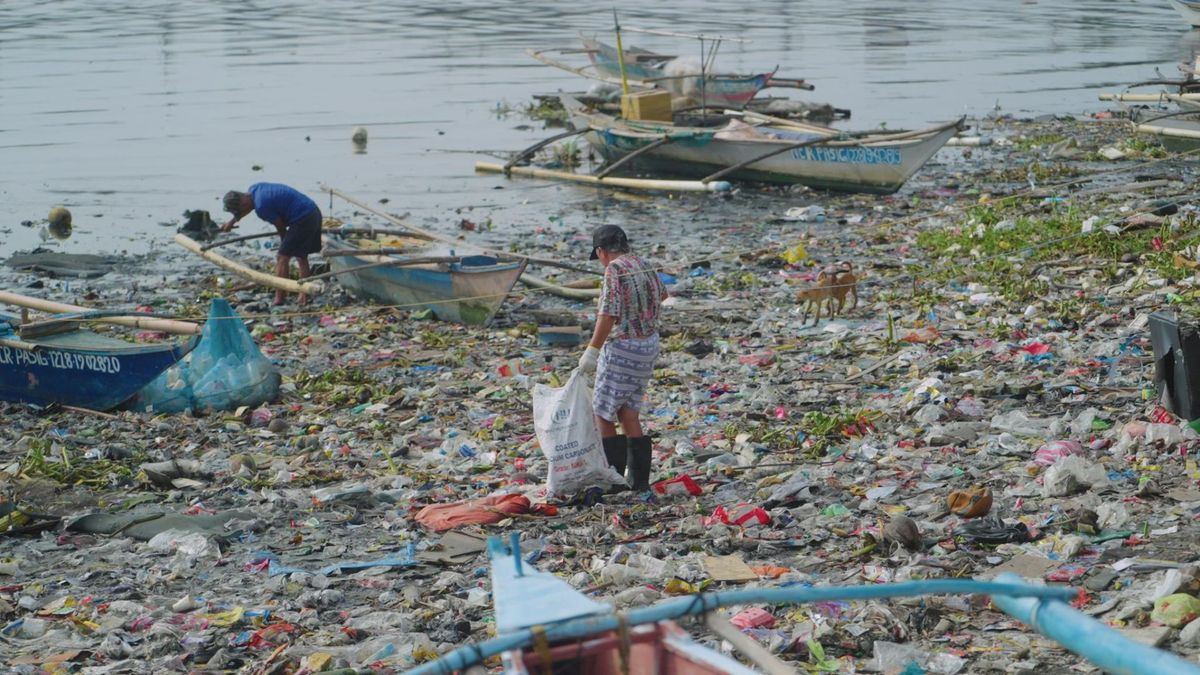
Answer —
566 430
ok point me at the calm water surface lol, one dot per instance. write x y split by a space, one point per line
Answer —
131 112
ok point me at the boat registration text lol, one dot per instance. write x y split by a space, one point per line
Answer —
857 155
60 360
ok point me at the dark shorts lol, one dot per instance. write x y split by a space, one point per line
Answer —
303 237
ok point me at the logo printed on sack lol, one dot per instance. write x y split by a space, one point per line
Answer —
561 414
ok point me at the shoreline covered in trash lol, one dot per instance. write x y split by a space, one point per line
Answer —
1000 351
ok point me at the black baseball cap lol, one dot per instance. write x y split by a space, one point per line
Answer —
609 238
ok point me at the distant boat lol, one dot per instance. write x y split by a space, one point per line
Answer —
762 149
56 361
1189 10
454 281
713 89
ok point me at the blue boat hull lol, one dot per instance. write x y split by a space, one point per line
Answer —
80 368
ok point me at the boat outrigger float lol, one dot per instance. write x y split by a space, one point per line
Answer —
542 622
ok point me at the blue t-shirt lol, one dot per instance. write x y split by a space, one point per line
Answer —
273 201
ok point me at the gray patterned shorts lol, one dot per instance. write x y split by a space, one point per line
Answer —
622 372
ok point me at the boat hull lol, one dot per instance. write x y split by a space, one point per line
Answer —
80 369
873 167
661 648
459 293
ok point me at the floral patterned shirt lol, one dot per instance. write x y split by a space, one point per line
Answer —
632 293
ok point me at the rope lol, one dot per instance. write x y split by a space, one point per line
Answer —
623 643
541 645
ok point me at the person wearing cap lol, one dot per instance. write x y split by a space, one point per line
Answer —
622 351
294 215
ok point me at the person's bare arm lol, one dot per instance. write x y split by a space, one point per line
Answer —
604 326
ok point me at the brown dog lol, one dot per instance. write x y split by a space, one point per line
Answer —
817 297
833 285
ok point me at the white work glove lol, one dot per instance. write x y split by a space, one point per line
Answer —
587 362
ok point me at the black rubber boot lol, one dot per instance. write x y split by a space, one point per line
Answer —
615 450
639 464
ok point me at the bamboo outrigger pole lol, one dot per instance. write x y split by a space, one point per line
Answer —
261 278
51 307
610 181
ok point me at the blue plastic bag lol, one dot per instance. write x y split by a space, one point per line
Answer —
224 371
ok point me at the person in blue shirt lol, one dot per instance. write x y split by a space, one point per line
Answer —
293 214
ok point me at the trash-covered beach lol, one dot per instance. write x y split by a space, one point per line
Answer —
988 406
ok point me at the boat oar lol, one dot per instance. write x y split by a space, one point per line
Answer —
235 240
633 155
527 152
392 219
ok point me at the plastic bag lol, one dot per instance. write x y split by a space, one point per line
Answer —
566 430
224 371
1176 610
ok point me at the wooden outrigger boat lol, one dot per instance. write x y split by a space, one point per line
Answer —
57 361
455 281
759 148
721 90
544 625
649 70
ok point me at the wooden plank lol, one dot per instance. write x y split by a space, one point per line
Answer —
261 278
51 307
748 646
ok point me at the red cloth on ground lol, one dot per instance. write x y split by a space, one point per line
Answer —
442 517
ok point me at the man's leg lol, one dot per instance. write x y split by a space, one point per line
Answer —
631 422
281 271
305 272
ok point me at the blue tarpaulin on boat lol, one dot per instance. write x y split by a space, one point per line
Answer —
224 371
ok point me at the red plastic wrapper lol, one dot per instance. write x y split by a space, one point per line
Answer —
743 515
679 485
1161 416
